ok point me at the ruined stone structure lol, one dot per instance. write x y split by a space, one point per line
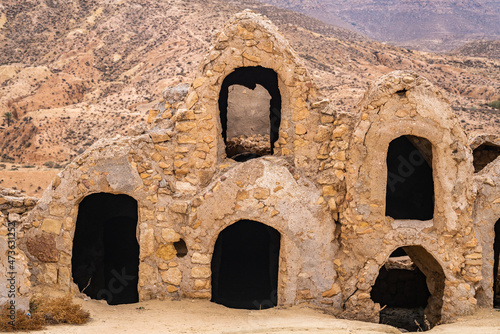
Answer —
306 206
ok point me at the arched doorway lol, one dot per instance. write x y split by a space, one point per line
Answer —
105 256
410 186
496 266
250 112
245 266
410 289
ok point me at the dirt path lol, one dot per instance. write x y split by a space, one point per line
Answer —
198 316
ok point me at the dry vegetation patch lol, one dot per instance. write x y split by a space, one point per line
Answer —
43 312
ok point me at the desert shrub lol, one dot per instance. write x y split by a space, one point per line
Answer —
495 104
44 312
49 164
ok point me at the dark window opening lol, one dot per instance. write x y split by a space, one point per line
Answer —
484 154
410 187
105 256
401 93
181 248
250 112
245 266
496 266
398 253
403 294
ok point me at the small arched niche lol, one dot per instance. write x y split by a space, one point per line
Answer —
250 112
105 255
484 154
410 185
409 289
496 266
245 266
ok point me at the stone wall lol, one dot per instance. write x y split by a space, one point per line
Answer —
14 265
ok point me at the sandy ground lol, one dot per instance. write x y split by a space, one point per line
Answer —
200 316
33 181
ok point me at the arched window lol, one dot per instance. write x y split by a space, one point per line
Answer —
250 112
410 186
105 256
245 266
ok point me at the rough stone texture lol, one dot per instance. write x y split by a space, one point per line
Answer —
43 247
14 207
323 189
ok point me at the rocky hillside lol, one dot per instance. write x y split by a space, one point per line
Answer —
431 25
73 72
487 49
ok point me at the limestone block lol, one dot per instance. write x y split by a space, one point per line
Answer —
250 57
50 225
201 284
340 131
199 258
201 272
147 243
172 289
169 235
172 276
191 99
300 129
179 207
159 137
146 274
166 252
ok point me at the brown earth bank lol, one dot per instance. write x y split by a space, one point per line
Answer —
199 316
71 73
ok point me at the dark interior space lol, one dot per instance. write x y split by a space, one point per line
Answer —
496 264
484 154
105 258
250 77
398 253
181 248
410 187
245 266
401 290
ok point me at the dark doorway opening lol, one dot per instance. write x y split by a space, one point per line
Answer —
245 266
410 187
496 266
401 290
484 154
105 257
250 132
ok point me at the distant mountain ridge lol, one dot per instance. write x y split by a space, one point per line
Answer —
427 25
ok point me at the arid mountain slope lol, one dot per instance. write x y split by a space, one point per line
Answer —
73 72
486 49
432 25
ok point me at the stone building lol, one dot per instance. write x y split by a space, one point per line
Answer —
252 191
